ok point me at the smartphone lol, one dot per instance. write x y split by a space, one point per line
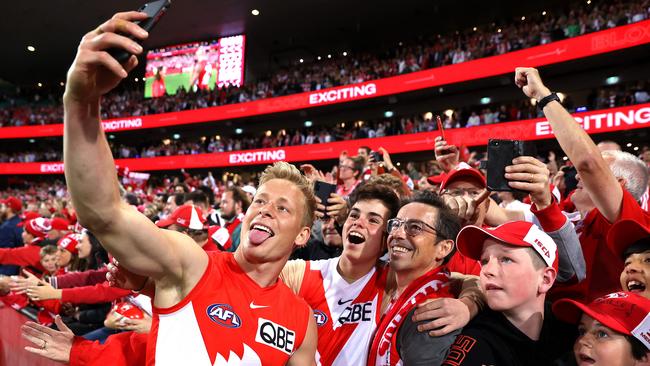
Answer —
570 180
440 128
500 154
323 191
155 10
378 158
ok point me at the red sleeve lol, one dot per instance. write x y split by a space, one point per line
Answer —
77 279
28 256
93 294
462 264
551 218
123 349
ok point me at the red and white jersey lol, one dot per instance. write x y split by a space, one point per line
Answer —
346 314
228 319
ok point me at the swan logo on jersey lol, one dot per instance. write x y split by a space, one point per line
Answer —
276 336
224 315
320 317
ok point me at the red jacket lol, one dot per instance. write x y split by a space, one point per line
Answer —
93 294
123 349
27 256
77 279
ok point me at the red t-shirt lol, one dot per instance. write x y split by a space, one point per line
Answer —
228 319
604 267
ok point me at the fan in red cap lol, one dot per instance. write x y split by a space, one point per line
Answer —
517 233
29 215
35 230
186 216
13 203
614 329
630 240
463 171
60 227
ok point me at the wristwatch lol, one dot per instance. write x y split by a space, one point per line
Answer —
547 99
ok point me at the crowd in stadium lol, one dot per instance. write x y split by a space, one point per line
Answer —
24 108
461 260
602 98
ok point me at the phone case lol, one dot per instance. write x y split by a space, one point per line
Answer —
323 190
500 154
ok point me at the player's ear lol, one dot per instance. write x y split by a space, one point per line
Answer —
303 237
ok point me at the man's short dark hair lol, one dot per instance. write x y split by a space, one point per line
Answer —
209 193
448 224
238 195
357 165
198 197
179 198
368 150
381 192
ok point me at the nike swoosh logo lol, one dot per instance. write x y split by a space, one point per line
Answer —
253 306
344 302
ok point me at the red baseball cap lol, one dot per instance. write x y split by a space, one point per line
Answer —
624 233
39 227
13 202
437 179
463 171
516 233
187 216
128 310
623 312
69 242
28 216
60 224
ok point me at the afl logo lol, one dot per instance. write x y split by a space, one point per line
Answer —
320 318
224 315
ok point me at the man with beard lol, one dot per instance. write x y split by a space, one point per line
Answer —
209 308
10 232
234 202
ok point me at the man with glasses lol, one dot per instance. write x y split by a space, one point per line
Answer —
420 243
350 170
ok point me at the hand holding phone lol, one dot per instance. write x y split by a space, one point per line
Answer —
323 191
500 154
440 128
154 10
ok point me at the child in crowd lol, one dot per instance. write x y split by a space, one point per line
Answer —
518 267
614 329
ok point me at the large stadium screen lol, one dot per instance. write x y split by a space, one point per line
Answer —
195 66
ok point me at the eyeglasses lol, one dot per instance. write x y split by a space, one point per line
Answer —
345 166
473 193
412 227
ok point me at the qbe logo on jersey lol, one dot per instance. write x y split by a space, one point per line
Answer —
276 336
224 315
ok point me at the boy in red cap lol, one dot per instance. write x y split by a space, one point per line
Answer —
631 241
614 329
189 219
519 264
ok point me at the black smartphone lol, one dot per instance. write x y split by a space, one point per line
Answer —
570 181
500 154
155 10
377 157
323 191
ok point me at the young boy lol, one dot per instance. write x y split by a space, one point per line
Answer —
614 329
49 260
518 266
631 241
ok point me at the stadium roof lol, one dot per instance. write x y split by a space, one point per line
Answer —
285 30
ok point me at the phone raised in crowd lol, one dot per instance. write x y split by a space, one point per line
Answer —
500 154
377 157
323 191
155 10
440 128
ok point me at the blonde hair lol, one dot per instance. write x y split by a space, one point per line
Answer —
286 171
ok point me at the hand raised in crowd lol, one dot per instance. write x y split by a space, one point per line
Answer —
448 314
19 284
447 156
43 291
314 174
94 71
530 175
50 343
530 82
465 206
123 278
388 162
558 181
337 208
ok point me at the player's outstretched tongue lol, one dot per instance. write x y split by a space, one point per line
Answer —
258 235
